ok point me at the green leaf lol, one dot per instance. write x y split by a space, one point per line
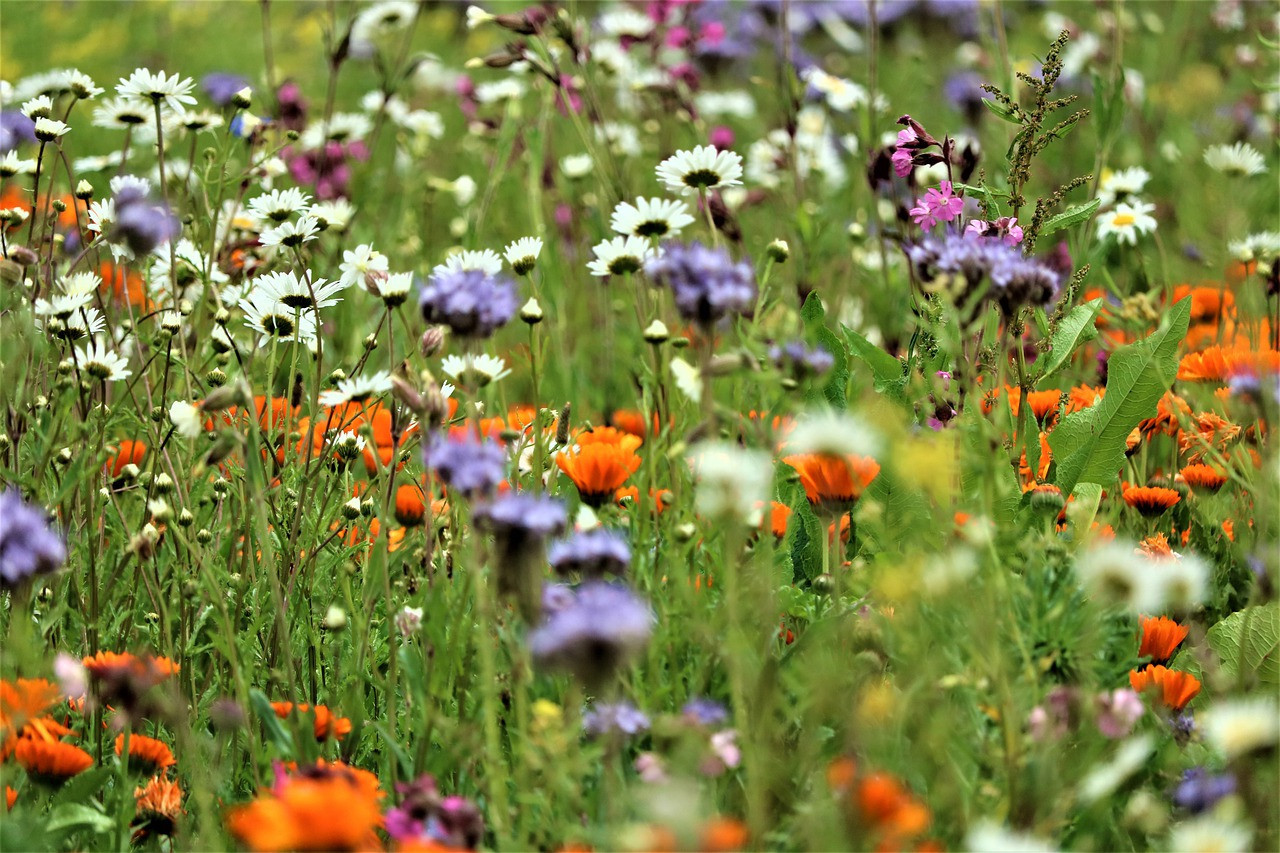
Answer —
804 532
1069 217
80 788
1082 510
276 732
1088 446
814 315
75 816
1258 630
1001 110
977 474
402 757
886 370
1076 327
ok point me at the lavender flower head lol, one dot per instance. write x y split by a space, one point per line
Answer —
606 718
141 223
1199 791
28 546
472 303
592 554
466 464
1016 280
704 712
595 634
520 523
708 285
221 86
801 361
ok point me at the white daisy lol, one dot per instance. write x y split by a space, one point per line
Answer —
841 95
357 390
1183 582
1127 222
463 189
732 481
81 85
97 361
1257 247
80 284
474 371
622 139
270 317
279 205
1117 186
198 121
47 129
78 325
382 19
295 293
360 262
293 233
1239 160
131 182
341 127
621 255
190 272
687 378
38 107
11 164
736 103
485 260
1236 727
103 163
423 123
335 214
1210 835
102 215
573 165
495 91
835 434
625 21
1115 573
121 113
146 85
523 254
391 105
1103 780
186 419
394 289
991 837
702 168
61 305
651 217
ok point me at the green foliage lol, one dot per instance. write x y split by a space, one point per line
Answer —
1248 643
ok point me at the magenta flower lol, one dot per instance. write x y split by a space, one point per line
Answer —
901 159
938 205
1006 228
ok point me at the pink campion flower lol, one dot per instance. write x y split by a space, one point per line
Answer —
1006 228
678 36
721 137
901 159
1118 711
711 34
938 205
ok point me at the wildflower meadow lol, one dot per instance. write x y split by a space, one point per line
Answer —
666 425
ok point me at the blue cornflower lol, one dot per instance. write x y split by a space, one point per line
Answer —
472 303
592 554
28 546
708 284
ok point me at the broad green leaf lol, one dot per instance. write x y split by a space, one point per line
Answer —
804 532
1082 510
1257 629
1076 328
814 315
78 816
887 370
1069 217
1000 110
1088 446
80 788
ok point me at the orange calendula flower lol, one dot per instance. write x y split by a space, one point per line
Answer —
1207 301
10 797
112 665
146 754
841 774
886 804
128 452
629 496
723 835
325 807
1151 501
1042 470
125 285
1218 364
779 517
1203 478
411 505
51 762
24 699
1211 430
833 481
326 724
1084 396
1175 688
158 805
1044 405
1160 637
1156 547
1169 411
602 461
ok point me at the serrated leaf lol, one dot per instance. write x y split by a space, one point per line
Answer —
814 314
886 370
80 788
1069 217
1000 110
1088 446
804 532
1077 326
1261 644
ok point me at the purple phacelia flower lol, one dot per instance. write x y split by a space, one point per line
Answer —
28 545
592 554
472 303
614 718
800 360
14 128
595 634
466 464
222 86
1118 711
704 712
141 223
520 523
1199 789
708 284
1016 280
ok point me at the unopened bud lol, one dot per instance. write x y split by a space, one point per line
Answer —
242 99
163 483
204 536
351 509
562 425
432 341
407 394
186 518
335 619
84 190
215 378
656 333
531 313
778 251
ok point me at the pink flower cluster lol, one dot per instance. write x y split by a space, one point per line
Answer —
1006 227
938 205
